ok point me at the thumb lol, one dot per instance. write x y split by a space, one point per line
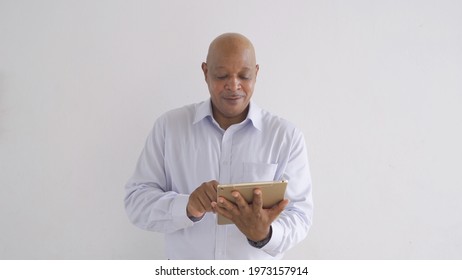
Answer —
278 208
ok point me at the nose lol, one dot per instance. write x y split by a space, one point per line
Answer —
233 84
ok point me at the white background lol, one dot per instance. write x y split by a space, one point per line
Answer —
374 85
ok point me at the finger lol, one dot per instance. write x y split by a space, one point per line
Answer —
282 205
195 207
202 204
222 211
225 207
206 193
228 206
194 200
205 201
201 198
214 206
240 201
209 190
194 212
211 193
257 203
224 203
214 184
278 208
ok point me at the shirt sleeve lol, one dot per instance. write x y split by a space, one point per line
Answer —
149 202
294 222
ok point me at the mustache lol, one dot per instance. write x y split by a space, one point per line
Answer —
233 95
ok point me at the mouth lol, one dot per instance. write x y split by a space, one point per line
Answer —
234 97
234 100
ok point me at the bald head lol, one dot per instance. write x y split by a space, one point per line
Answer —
230 73
230 44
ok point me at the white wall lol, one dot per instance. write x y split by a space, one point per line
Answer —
374 85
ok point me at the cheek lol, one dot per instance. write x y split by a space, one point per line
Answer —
248 87
216 87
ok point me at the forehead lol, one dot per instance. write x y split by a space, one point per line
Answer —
238 61
231 68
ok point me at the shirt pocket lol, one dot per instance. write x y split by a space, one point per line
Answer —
255 172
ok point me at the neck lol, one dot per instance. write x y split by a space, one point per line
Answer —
226 122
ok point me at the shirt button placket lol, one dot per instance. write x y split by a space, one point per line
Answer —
225 176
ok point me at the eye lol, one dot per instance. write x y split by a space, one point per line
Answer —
222 77
245 75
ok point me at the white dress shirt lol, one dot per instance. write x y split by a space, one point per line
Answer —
187 147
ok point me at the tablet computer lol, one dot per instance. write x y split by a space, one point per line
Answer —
272 193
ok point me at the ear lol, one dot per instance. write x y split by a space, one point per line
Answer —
257 67
204 69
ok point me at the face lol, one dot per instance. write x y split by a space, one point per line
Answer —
231 79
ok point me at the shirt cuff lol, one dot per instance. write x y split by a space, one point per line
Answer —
194 219
260 244
179 215
277 237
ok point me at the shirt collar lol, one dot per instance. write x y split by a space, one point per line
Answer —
255 115
204 110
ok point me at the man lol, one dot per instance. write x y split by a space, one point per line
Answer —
226 139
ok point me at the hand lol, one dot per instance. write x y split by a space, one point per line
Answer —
201 198
251 219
